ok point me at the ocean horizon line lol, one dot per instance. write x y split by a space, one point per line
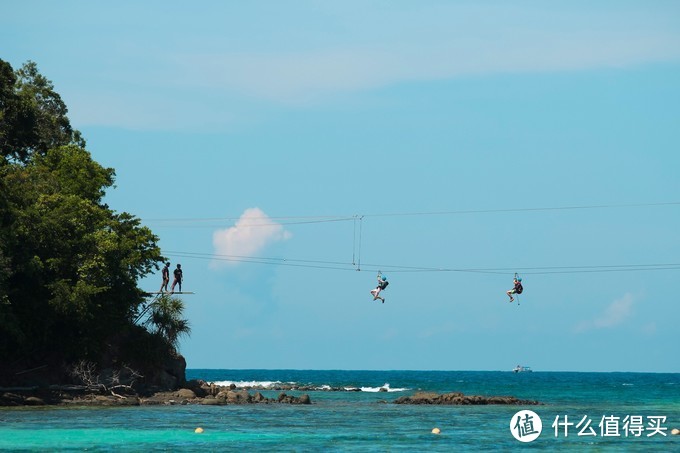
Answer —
510 370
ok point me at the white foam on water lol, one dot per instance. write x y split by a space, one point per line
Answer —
249 384
386 387
325 387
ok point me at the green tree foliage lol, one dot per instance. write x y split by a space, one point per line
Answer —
69 265
75 263
32 115
165 319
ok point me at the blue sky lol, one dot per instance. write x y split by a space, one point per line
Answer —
261 129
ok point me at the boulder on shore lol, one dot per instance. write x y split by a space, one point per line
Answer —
458 399
289 399
81 396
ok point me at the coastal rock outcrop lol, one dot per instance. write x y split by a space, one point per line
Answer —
224 396
458 399
186 394
289 399
82 396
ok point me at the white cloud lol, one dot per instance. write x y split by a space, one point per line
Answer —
211 79
387 46
616 313
252 233
312 76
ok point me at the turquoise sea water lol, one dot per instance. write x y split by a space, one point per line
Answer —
366 421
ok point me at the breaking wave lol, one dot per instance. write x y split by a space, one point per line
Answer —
279 385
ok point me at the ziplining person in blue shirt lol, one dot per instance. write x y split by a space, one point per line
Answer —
517 288
382 284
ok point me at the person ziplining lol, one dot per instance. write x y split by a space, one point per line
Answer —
382 284
517 287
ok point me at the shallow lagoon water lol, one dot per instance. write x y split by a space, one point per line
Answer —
366 420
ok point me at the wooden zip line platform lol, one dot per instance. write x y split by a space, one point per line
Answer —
169 294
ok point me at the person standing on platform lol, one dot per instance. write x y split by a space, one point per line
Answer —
178 279
166 278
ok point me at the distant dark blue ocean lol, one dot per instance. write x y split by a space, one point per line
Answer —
589 411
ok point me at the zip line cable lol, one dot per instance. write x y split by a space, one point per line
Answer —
359 259
249 225
243 257
357 239
538 270
313 218
298 220
337 265
574 270
273 261
558 208
354 240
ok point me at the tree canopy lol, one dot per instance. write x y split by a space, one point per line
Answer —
69 265
32 115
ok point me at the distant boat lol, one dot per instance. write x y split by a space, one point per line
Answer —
522 369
